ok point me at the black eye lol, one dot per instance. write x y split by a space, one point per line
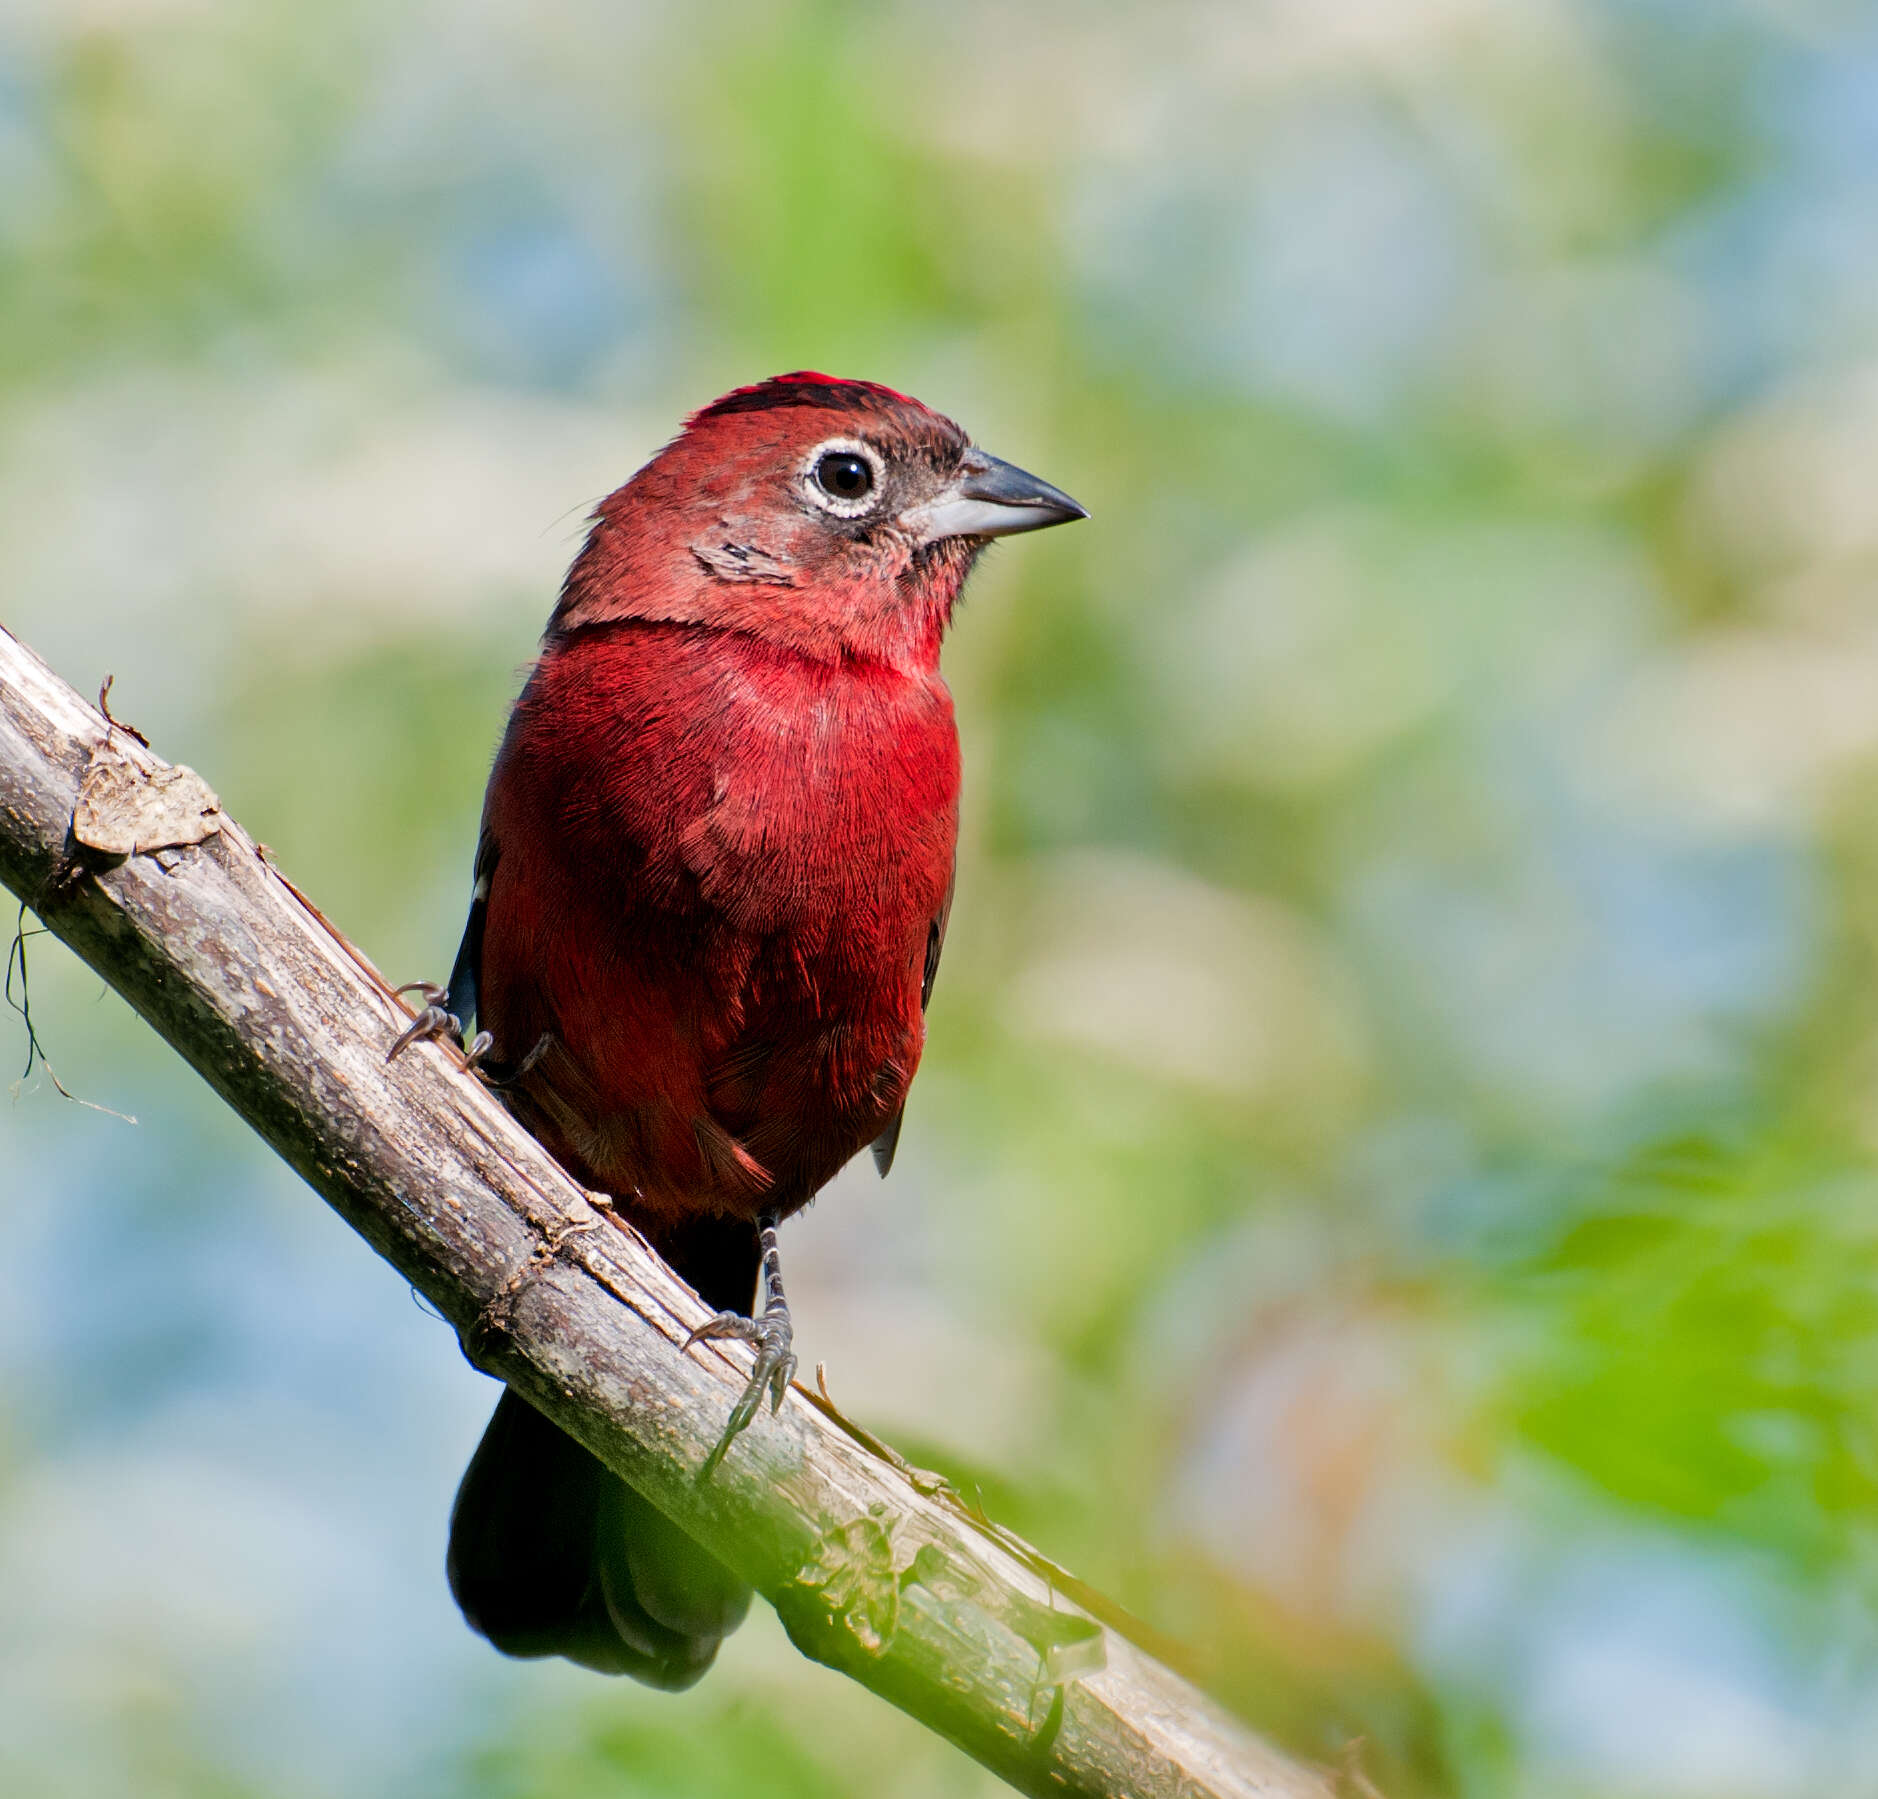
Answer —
842 475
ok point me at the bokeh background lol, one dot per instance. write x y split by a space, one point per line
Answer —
1391 1195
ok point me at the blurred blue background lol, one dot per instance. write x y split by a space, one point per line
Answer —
1391 1192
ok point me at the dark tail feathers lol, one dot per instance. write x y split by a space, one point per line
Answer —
551 1553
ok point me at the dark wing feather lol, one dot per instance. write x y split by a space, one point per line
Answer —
466 973
889 1140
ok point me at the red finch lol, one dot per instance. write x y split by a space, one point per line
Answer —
710 892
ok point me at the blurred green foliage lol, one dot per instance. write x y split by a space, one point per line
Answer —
1390 1191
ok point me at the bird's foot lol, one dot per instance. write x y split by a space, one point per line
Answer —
770 1336
498 1075
775 1367
434 1022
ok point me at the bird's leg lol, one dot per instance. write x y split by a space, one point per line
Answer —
770 1334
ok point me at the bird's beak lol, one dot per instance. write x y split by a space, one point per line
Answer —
989 498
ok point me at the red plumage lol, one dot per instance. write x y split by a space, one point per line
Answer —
713 880
720 863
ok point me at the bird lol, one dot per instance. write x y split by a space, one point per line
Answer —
709 896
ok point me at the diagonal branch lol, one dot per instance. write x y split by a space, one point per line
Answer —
875 1569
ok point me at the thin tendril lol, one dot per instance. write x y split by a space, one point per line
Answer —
23 1005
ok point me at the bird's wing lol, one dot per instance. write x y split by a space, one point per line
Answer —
466 973
889 1140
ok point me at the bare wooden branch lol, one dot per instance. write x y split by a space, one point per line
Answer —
875 1570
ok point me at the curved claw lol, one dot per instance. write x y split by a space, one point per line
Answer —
432 1022
775 1367
479 1059
725 1324
436 1020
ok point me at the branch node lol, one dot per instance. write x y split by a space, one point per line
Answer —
492 1324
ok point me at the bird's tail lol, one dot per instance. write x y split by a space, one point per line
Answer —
551 1553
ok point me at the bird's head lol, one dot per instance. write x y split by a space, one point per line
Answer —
837 517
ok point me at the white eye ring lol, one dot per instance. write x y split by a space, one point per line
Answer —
843 505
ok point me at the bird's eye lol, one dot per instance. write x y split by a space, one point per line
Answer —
843 475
